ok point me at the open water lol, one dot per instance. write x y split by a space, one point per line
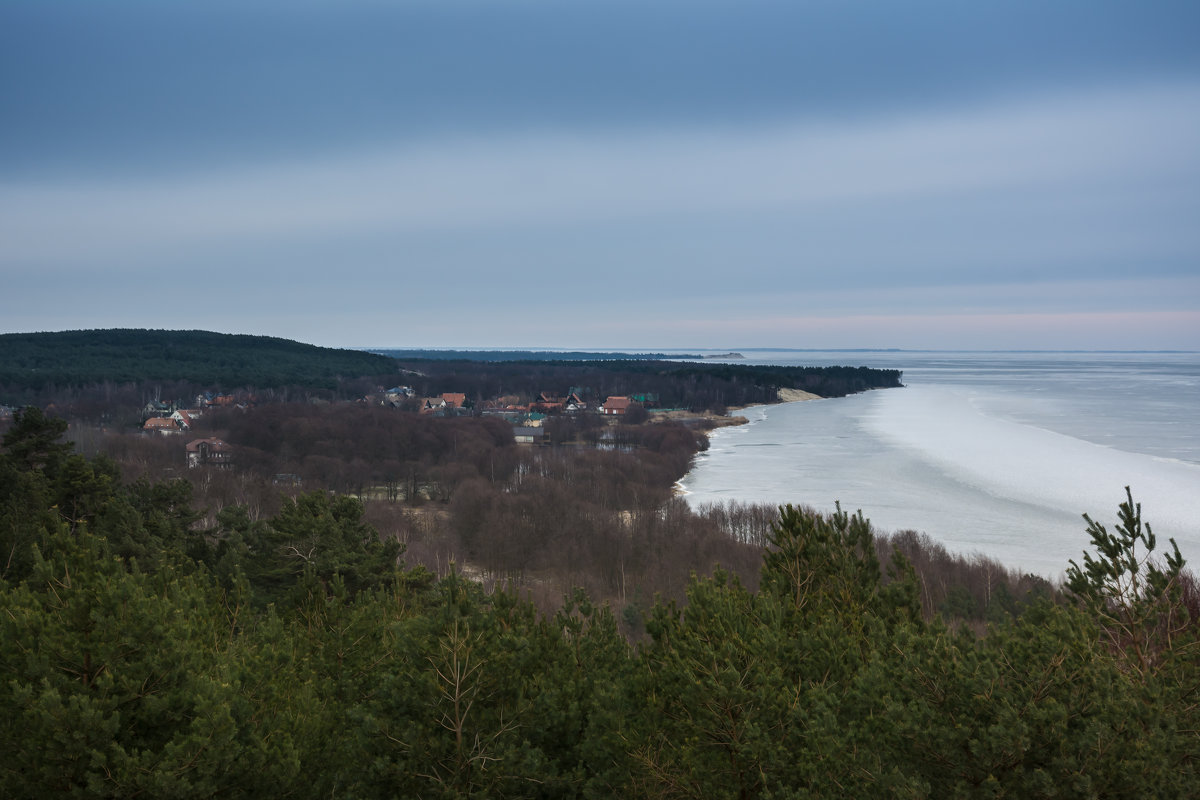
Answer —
991 453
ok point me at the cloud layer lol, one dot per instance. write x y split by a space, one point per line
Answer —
745 211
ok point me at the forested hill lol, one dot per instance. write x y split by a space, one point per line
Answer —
37 360
36 367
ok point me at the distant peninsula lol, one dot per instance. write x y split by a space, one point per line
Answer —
65 368
438 354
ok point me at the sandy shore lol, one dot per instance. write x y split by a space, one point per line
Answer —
731 417
785 396
796 395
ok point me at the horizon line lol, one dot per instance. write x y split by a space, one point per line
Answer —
666 350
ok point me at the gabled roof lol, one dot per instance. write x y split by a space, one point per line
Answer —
214 445
454 399
617 403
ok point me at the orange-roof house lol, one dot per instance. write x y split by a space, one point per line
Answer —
163 425
615 406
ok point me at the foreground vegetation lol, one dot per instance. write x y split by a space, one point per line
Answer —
292 655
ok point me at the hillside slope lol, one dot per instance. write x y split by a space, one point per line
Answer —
37 360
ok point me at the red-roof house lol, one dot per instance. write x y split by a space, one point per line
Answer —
615 406
184 419
163 425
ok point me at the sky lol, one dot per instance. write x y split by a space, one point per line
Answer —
691 174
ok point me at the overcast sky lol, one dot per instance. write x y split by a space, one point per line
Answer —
607 174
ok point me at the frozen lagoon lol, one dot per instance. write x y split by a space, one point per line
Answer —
995 455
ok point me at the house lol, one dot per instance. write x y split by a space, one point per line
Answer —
184 419
548 403
157 408
164 425
209 453
448 404
397 395
525 435
615 406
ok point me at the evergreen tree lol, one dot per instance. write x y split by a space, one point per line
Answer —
313 538
117 683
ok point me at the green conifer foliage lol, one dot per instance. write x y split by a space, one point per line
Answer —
33 441
1134 596
1136 600
313 538
117 683
818 563
29 498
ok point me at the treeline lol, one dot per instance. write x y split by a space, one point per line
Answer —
674 385
970 590
294 656
37 361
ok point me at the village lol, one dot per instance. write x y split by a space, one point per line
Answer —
526 416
